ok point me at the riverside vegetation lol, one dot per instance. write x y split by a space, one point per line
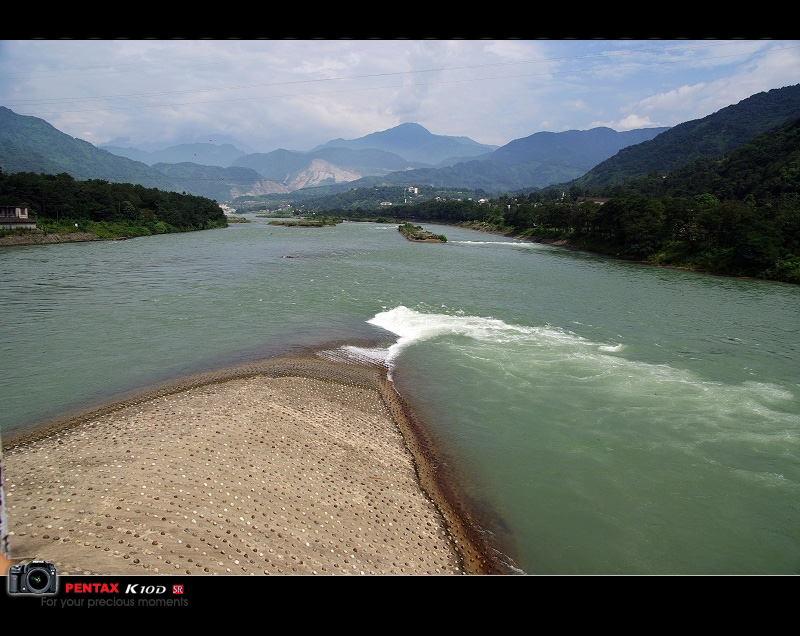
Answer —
63 205
322 221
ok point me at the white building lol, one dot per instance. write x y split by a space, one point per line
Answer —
12 217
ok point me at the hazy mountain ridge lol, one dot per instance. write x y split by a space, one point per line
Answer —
414 143
205 154
578 147
284 166
586 158
330 163
282 170
536 161
216 182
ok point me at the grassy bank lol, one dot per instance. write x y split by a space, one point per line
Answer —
49 231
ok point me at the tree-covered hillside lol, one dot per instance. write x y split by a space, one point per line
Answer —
29 143
110 209
766 169
710 137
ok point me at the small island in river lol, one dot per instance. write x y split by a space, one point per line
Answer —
323 221
416 233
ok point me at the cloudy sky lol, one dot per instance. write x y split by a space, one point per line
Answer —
296 94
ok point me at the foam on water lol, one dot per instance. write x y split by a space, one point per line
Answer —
530 364
500 243
524 352
351 353
413 327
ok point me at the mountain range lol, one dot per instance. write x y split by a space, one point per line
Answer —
403 155
407 154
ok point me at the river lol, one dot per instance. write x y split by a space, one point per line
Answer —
602 417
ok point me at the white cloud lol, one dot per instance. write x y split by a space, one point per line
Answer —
299 93
631 122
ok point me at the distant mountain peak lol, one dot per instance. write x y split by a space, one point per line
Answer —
415 143
410 125
410 128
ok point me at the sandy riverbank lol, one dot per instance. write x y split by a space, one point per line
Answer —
288 466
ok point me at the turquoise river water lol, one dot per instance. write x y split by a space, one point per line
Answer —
604 417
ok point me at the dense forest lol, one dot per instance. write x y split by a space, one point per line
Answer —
110 210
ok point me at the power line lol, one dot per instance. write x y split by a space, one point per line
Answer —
605 55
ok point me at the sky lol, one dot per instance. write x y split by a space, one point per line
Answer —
263 95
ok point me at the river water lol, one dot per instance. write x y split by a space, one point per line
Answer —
603 417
